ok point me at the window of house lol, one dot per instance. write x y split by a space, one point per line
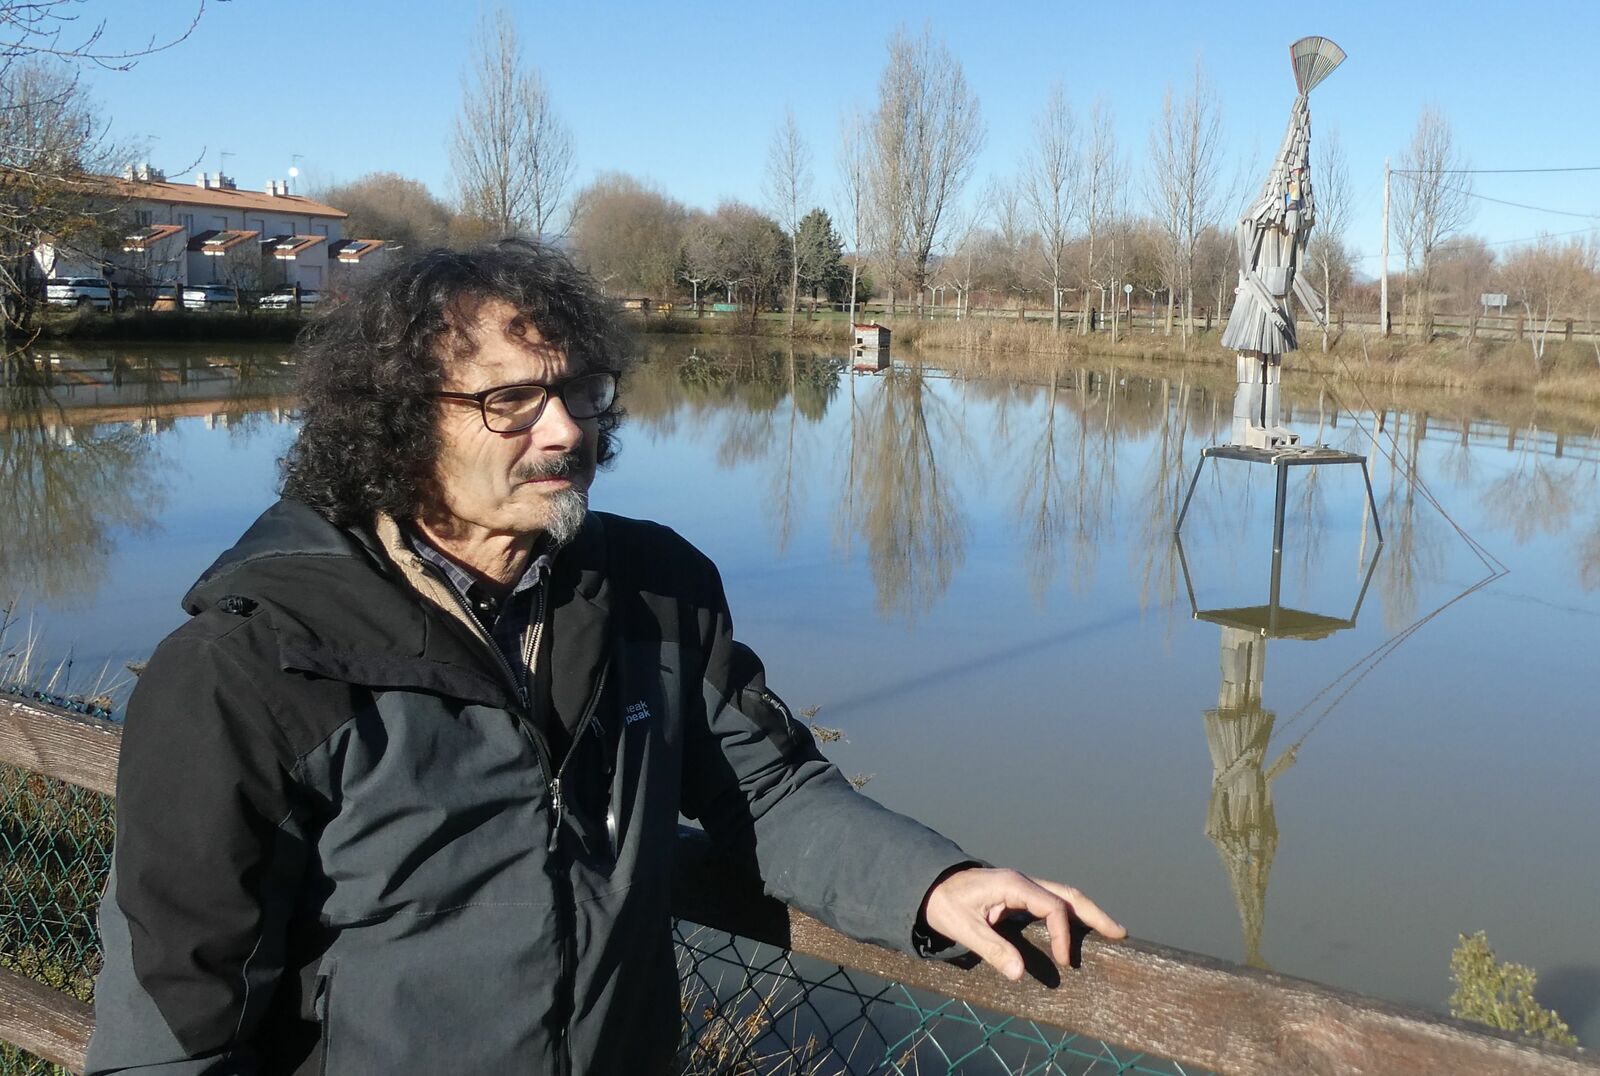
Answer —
187 220
143 218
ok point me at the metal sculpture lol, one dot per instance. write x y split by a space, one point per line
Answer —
1272 244
1272 238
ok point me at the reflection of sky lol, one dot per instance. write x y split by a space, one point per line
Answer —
1058 725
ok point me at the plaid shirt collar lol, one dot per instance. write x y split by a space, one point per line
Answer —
473 593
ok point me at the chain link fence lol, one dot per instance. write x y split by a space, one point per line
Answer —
749 1009
752 1009
55 850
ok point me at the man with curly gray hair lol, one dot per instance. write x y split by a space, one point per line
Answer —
402 796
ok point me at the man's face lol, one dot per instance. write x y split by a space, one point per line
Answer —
534 481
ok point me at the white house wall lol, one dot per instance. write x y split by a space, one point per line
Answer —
309 269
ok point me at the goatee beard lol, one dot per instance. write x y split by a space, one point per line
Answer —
568 507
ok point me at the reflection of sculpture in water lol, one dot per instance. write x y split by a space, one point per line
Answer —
1272 239
1241 820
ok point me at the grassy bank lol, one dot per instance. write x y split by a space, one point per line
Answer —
145 327
1569 371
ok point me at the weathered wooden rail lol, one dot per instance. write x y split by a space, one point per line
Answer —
1191 1008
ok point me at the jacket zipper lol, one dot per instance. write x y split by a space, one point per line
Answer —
541 749
567 910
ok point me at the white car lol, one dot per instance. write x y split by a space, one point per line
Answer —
210 297
283 298
80 291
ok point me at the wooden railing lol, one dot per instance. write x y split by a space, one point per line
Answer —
1191 1008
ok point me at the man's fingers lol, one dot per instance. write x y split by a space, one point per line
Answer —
1044 903
965 907
995 950
1085 909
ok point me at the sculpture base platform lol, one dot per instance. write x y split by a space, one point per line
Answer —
1282 458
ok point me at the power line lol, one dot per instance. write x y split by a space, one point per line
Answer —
1500 242
1502 201
1482 171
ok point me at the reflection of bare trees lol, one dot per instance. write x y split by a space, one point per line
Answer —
756 404
783 495
1042 499
1530 496
1058 434
906 506
1414 546
63 490
1166 475
1589 559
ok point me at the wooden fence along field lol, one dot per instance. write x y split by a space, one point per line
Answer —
1193 1009
1143 320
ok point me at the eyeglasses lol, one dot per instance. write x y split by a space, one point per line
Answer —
512 408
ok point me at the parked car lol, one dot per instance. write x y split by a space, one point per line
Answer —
80 291
210 297
283 298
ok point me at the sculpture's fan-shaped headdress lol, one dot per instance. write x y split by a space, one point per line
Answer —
1314 59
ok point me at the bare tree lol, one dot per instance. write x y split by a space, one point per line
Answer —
854 194
1013 242
54 148
789 191
1591 298
392 207
54 30
1102 189
1432 201
703 257
511 153
1331 182
54 153
1050 182
926 134
1547 280
1185 162
628 235
962 265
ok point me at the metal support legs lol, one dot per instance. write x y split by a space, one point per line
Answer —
1187 497
1279 506
1372 501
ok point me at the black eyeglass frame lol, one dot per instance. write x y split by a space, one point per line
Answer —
558 388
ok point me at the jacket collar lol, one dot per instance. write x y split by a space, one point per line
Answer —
344 603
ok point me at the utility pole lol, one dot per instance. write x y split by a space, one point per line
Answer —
1383 280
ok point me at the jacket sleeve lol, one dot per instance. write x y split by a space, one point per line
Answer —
754 778
206 864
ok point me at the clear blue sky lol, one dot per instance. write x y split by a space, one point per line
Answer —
688 96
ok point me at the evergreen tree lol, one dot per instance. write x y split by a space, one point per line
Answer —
821 256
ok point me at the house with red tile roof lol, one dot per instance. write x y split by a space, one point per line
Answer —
211 231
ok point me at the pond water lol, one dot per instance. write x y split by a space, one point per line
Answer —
967 566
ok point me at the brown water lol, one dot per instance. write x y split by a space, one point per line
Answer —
968 565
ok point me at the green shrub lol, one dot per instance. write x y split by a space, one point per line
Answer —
1500 994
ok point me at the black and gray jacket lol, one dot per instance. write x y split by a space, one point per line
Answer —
344 845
